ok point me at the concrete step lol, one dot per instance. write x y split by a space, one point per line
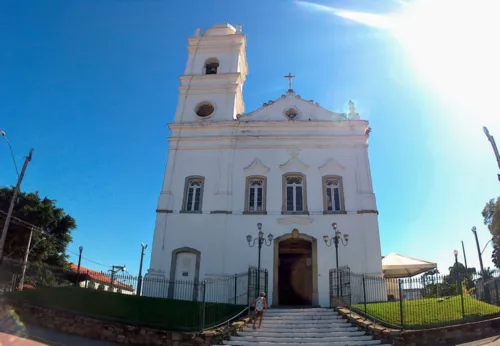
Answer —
290 340
328 343
305 334
299 312
314 330
302 318
302 324
294 310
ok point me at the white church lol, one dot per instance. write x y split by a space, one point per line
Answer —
291 168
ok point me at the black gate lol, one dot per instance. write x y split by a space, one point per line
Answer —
340 287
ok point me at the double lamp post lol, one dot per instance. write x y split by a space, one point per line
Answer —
338 238
259 241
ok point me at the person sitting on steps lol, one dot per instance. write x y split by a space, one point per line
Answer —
260 308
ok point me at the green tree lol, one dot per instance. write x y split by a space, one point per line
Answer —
492 220
43 213
487 274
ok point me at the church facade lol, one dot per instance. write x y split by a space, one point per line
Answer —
290 169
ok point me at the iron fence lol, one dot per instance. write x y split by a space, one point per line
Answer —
195 304
418 302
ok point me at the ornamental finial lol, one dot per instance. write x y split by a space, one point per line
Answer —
352 114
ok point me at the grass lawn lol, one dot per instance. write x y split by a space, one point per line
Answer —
429 312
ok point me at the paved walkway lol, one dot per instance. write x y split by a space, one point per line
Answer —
42 336
7 340
493 341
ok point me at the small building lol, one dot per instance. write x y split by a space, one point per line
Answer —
100 281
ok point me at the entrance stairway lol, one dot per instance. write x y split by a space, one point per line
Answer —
294 327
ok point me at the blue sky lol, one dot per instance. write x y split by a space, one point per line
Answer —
91 85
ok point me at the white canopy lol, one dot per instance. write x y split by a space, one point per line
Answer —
398 266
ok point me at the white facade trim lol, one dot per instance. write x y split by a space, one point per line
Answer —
256 167
330 166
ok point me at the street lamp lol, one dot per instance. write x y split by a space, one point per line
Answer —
336 239
493 145
139 281
260 240
20 177
455 253
4 135
114 270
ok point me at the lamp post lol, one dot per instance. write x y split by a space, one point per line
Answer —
336 239
114 270
4 135
139 281
479 253
493 145
260 240
80 250
13 201
457 278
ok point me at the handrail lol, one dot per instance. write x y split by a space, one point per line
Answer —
227 321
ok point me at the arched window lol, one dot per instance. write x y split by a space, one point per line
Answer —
333 199
211 66
193 194
294 193
255 194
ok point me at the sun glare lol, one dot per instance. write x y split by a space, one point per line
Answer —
453 45
454 48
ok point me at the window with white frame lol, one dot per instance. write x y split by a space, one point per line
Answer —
332 194
255 196
193 194
294 193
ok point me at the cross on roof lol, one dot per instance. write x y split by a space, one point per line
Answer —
290 77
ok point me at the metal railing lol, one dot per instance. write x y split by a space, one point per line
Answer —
418 302
186 305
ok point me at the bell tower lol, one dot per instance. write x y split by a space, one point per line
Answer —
212 85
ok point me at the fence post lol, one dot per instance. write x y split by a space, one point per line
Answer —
203 305
401 313
248 285
462 298
235 288
364 292
266 282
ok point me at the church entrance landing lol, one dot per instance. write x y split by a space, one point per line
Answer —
295 270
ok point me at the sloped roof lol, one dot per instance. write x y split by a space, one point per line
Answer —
100 277
308 110
398 266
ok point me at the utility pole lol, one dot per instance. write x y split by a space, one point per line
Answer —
494 146
25 261
139 281
12 203
478 250
465 258
77 283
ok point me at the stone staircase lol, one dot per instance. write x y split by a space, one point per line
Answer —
294 327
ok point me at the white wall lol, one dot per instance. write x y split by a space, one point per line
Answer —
221 238
317 143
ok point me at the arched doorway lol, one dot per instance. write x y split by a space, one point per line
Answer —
295 270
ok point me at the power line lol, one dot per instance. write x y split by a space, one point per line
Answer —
29 226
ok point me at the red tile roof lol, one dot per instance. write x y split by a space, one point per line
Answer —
100 277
